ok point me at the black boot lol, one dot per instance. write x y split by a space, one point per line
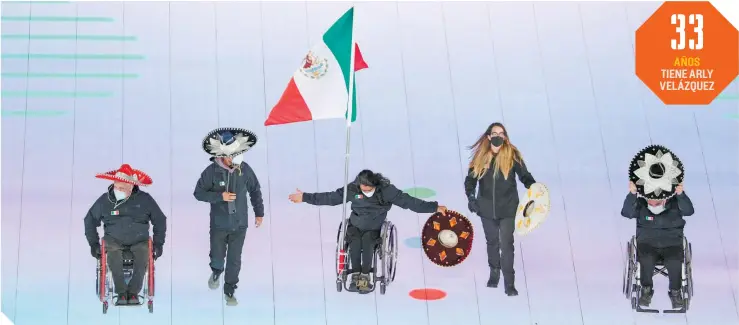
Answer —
494 278
510 290
645 297
228 293
121 299
676 298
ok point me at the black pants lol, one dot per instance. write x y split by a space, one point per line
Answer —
140 253
225 253
361 248
672 258
499 236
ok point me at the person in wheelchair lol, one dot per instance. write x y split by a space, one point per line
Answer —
126 212
372 196
659 236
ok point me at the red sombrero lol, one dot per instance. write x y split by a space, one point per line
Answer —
126 174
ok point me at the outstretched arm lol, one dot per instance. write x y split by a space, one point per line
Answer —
470 185
684 204
255 192
397 197
325 198
631 206
92 222
523 174
158 221
204 188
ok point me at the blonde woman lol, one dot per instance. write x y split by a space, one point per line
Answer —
494 162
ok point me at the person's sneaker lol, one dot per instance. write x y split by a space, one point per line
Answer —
214 279
676 298
511 291
363 284
353 279
133 299
121 299
645 296
228 293
494 278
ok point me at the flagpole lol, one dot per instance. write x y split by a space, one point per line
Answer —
350 114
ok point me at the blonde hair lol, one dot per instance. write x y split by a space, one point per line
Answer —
482 155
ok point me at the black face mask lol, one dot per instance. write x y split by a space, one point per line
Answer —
496 141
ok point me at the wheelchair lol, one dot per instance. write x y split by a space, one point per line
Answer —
631 278
104 287
384 264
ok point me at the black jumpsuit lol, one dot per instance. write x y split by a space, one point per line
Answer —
367 216
497 199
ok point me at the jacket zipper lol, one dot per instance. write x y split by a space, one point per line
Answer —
228 183
494 194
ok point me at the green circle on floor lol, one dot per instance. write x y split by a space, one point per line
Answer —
420 192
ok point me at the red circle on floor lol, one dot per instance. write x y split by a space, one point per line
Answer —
427 294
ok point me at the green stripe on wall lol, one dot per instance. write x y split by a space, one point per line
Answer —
69 37
69 75
73 56
55 94
32 113
56 18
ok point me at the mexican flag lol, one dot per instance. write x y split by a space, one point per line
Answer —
319 89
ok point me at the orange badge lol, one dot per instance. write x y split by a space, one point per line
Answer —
686 53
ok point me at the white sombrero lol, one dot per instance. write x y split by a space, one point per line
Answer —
228 142
533 210
656 171
126 174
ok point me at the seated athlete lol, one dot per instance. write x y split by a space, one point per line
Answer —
372 196
126 212
659 234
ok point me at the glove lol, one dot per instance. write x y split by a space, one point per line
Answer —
95 251
157 251
472 205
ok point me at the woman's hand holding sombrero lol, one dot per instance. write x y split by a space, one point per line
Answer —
441 209
632 187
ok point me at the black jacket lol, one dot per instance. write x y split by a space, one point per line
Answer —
125 222
369 213
658 230
229 215
497 197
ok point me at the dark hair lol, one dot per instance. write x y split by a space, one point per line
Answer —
370 178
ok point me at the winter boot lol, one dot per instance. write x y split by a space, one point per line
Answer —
353 279
133 299
494 278
363 284
121 299
676 298
228 293
510 290
645 297
214 279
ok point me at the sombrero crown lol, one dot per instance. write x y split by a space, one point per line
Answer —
656 171
228 142
126 174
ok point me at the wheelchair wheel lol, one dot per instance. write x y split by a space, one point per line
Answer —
390 254
339 286
383 288
97 279
630 269
689 268
341 252
105 307
151 306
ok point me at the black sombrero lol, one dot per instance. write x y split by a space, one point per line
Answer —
656 171
228 142
447 238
